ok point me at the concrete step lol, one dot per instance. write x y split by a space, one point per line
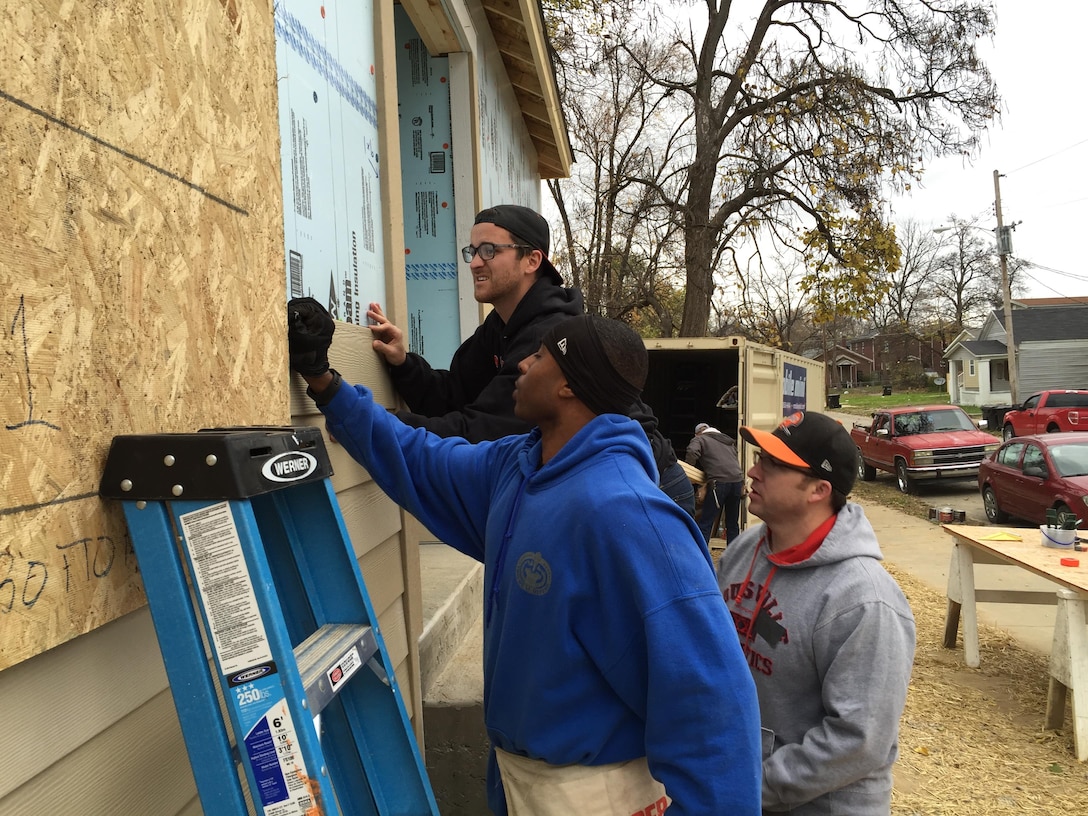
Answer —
451 662
452 592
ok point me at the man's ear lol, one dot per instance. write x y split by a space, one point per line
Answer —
536 258
820 490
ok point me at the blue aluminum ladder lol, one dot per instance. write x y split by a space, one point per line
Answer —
260 610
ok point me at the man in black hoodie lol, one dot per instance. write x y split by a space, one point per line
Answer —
508 260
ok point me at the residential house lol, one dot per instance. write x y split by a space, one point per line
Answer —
172 174
1050 334
846 367
875 358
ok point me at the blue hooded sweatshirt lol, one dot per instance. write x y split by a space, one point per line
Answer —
605 635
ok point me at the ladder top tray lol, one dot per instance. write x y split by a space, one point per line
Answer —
217 463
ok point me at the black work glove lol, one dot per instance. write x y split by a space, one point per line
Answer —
309 335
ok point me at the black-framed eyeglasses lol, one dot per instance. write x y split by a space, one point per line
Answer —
768 462
486 250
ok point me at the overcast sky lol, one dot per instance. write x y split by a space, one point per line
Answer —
1040 147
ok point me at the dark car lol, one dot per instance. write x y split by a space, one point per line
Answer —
1029 475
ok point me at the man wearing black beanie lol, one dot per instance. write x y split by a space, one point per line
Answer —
604 659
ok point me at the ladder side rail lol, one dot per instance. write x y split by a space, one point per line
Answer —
307 605
399 763
351 774
192 688
288 704
296 591
373 708
317 540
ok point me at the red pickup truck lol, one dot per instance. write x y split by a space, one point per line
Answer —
1048 412
921 442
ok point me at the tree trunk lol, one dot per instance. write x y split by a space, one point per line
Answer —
700 240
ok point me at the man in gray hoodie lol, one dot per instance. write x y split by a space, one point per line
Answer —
828 635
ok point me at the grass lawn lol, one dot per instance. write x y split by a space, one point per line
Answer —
863 401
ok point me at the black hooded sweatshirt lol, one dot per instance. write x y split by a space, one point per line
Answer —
474 399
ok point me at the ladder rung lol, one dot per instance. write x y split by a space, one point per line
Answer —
329 657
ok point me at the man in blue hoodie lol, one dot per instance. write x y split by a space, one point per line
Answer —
827 633
607 685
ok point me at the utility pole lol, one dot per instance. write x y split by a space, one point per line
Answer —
1004 247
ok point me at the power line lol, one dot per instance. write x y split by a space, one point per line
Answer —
1071 275
1059 204
1037 282
1051 156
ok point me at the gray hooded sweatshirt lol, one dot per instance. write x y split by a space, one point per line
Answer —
831 654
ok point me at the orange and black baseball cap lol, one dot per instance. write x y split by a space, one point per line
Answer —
813 442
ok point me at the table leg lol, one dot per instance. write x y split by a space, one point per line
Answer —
961 603
951 623
1055 705
968 609
952 611
1069 667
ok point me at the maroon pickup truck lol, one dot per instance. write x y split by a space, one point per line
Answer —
1048 412
921 442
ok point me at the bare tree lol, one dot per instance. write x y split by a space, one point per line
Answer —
967 274
803 117
912 287
620 240
1018 286
773 309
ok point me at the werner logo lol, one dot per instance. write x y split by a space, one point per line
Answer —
251 674
289 467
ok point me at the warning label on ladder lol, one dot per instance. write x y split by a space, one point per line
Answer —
283 786
221 575
241 645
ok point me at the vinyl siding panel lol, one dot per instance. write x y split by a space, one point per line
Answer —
55 702
1053 364
90 727
141 757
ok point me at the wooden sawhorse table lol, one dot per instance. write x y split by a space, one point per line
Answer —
1069 649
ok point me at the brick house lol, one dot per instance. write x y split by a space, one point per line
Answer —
877 357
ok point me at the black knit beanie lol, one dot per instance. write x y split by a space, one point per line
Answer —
576 344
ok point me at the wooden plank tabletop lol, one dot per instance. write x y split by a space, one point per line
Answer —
1028 552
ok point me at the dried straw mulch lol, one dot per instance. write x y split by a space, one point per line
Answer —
971 741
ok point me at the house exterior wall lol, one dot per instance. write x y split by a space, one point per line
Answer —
970 374
1054 364
145 286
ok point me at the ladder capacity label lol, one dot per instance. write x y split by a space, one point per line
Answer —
271 743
